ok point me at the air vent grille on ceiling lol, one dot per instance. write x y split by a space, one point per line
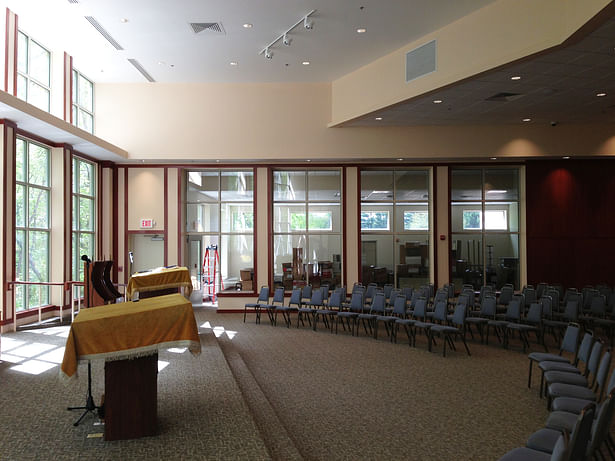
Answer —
209 27
504 97
104 33
141 69
421 61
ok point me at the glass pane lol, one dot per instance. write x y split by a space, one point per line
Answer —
39 63
75 85
20 158
86 247
502 259
20 255
75 213
377 259
38 208
20 293
85 121
289 185
86 94
467 260
236 253
38 96
289 258
323 252
502 184
22 87
324 186
38 243
22 53
86 178
324 217
376 185
38 165
202 217
411 217
74 121
466 185
37 296
86 214
289 218
412 255
236 186
376 217
237 217
20 206
202 186
412 186
465 214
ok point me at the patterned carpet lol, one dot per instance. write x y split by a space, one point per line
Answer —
262 392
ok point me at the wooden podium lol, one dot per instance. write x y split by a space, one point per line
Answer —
131 397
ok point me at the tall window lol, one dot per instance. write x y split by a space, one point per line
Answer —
83 102
32 193
220 229
33 72
395 227
485 226
84 214
307 236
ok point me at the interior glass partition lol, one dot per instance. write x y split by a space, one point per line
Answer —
485 226
396 227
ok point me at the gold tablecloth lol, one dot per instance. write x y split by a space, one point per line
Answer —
159 279
130 329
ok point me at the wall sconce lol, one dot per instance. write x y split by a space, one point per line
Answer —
284 38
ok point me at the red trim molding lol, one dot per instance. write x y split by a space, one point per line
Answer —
166 216
344 229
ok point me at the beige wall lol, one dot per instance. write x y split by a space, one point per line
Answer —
260 122
145 197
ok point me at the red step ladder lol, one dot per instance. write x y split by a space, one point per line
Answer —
211 273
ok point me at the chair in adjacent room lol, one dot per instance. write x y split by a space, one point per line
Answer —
263 299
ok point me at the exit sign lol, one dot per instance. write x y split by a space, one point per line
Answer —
147 223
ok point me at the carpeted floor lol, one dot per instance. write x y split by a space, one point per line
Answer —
264 392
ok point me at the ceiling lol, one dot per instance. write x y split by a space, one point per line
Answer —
554 88
158 35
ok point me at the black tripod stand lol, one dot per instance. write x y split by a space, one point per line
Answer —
90 406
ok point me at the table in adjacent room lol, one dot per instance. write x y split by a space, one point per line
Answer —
128 336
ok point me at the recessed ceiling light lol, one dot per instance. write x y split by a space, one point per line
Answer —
233 63
378 118
161 63
308 160
600 94
493 158
306 63
566 157
124 20
437 101
497 191
247 25
217 160
515 77
361 30
400 159
527 119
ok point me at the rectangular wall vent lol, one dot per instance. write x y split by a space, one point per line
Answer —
421 61
141 69
103 32
74 2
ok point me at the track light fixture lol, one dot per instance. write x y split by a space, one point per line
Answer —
286 40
